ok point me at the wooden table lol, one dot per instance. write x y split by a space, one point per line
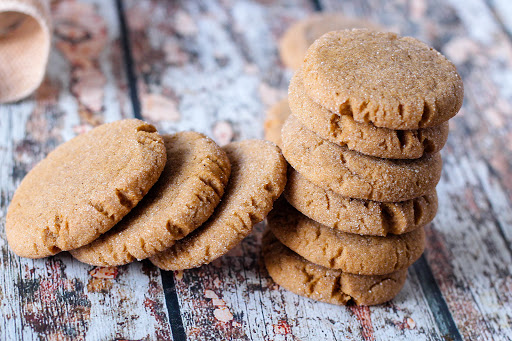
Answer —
213 67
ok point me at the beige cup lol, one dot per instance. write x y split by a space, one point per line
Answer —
25 37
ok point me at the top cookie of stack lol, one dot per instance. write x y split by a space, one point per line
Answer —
369 114
375 80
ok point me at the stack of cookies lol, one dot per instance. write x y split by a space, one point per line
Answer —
123 192
369 117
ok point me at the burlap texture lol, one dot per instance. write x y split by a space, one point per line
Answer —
25 36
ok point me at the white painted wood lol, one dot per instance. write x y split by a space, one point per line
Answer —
503 9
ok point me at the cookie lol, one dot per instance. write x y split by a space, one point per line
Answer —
394 82
351 253
358 216
363 137
274 121
296 40
190 187
84 187
356 175
258 176
304 278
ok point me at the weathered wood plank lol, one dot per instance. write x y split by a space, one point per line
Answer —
234 44
469 243
502 10
59 298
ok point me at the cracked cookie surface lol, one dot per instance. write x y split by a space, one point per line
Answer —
258 177
355 175
188 190
84 187
363 137
394 82
304 278
351 253
364 217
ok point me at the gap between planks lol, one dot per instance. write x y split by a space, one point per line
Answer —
168 284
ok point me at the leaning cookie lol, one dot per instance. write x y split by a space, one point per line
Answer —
84 187
304 278
276 116
351 253
394 82
296 40
355 175
363 137
355 215
189 189
258 177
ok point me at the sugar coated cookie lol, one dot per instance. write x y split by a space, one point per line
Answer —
304 278
394 82
189 189
258 176
351 253
356 175
355 215
363 137
84 187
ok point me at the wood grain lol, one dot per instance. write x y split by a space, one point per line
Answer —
58 298
213 67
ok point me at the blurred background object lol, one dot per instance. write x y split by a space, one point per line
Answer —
25 38
296 40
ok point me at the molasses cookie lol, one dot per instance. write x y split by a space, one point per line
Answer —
355 215
363 137
84 187
190 187
355 175
304 278
394 82
351 253
258 177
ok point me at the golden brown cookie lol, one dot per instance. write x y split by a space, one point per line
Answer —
84 187
363 137
304 278
274 121
258 176
394 82
189 189
358 216
296 40
351 253
356 175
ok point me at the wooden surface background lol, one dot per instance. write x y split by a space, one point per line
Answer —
213 67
